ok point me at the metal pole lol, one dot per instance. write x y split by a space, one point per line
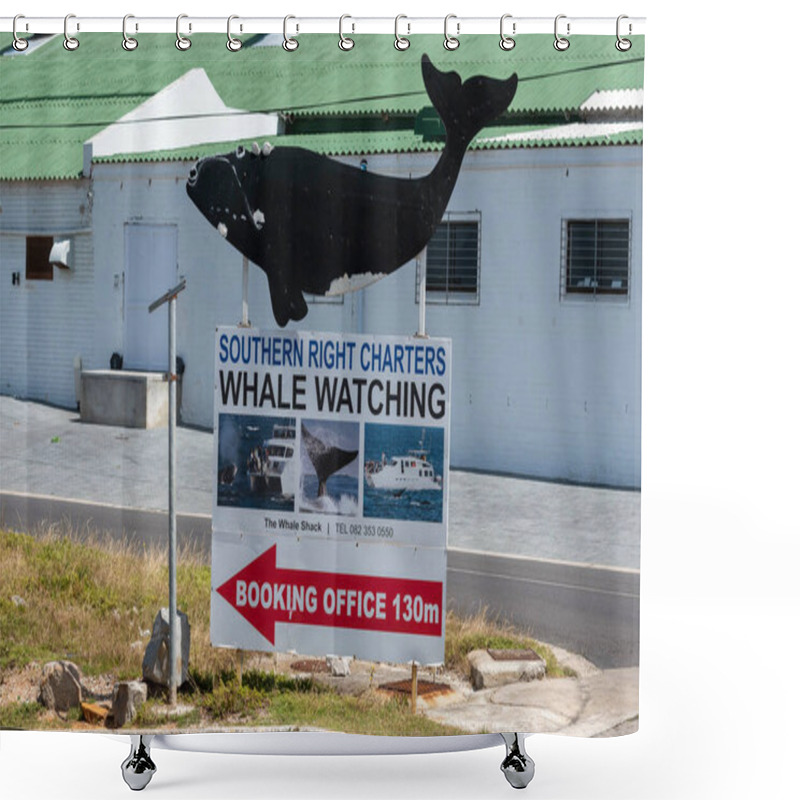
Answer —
245 292
174 635
422 291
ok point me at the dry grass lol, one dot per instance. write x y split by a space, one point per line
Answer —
478 632
92 599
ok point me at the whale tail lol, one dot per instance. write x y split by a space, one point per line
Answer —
326 459
468 107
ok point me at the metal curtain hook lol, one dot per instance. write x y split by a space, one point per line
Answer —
181 42
560 43
19 44
128 42
623 45
234 44
400 42
506 42
70 42
451 42
289 44
345 43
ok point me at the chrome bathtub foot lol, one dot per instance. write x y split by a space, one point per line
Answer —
138 768
517 766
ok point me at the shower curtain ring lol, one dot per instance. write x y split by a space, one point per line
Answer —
289 44
234 44
345 43
507 42
451 42
128 42
19 44
623 45
560 43
181 42
400 42
70 42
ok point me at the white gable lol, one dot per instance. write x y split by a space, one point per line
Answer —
614 100
187 112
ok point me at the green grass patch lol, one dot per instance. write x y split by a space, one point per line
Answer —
20 716
92 600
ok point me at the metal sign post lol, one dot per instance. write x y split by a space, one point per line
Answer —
245 323
423 288
171 298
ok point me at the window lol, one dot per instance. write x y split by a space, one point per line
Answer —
322 299
37 258
452 260
595 256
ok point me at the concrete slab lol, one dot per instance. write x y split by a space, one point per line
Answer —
612 701
487 672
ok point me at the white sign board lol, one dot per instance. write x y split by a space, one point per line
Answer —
330 505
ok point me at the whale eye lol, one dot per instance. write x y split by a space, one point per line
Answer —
240 151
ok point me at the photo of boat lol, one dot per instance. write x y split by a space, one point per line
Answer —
257 462
410 472
272 466
404 469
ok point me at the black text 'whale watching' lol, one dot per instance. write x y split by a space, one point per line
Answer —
316 225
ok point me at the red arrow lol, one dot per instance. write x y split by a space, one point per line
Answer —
264 594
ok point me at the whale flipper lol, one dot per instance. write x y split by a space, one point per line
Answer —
326 459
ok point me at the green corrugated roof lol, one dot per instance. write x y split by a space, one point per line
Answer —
371 143
52 101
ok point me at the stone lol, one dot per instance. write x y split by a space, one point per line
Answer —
126 699
337 666
60 689
18 601
487 672
155 664
94 714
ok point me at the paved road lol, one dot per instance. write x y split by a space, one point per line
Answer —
593 611
48 451
590 610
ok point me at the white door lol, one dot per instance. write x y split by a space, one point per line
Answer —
151 268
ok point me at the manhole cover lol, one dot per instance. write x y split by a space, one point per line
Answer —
514 655
310 665
423 687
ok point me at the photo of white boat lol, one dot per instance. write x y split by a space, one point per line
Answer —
272 466
257 462
403 472
410 472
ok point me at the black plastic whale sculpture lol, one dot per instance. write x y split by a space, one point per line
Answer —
316 225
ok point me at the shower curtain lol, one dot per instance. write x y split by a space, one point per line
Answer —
391 291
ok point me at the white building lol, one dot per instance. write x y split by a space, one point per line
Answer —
546 342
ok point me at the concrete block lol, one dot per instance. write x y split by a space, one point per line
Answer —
127 398
337 666
488 673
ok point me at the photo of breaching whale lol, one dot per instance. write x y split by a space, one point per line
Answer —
316 225
257 462
329 467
